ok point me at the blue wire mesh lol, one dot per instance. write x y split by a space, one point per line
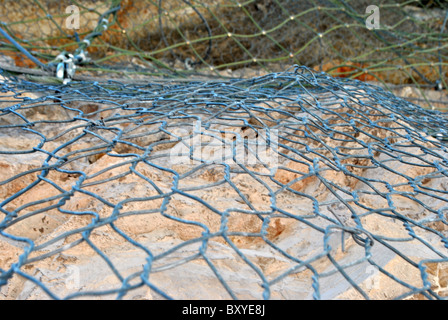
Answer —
323 182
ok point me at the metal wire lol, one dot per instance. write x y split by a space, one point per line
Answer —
305 154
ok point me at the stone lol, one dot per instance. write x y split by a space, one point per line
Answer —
108 213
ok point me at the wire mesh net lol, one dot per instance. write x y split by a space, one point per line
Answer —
243 170
290 185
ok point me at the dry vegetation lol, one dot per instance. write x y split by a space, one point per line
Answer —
238 37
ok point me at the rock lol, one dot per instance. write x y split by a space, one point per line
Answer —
337 209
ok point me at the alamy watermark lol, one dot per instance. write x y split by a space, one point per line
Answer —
72 21
373 20
72 278
248 148
373 279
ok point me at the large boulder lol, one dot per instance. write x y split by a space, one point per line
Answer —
341 199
